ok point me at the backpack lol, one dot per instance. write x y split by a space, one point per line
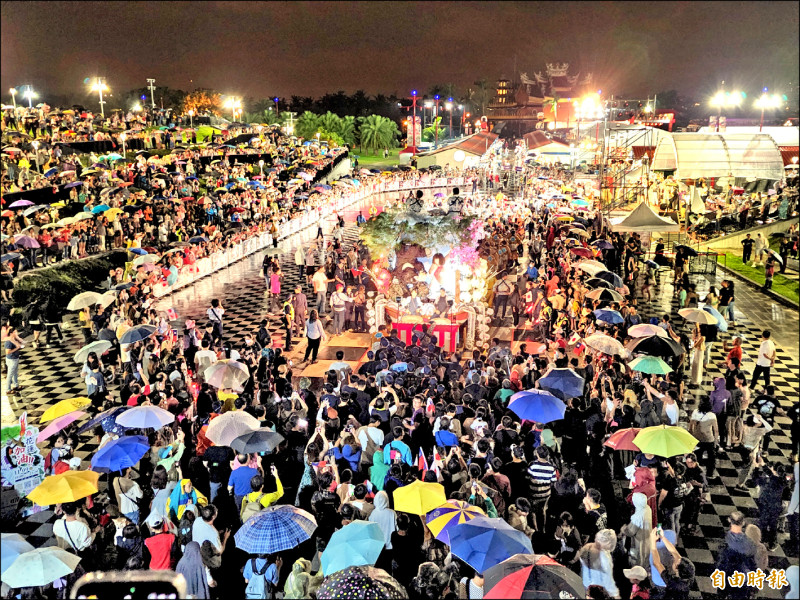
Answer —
251 507
258 586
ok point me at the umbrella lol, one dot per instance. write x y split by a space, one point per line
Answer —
602 244
65 487
585 252
40 567
225 428
98 348
539 406
595 283
775 255
146 417
83 300
722 324
688 250
100 208
610 277
360 583
652 365
58 424
144 259
563 383
34 209
532 576
260 440
12 545
357 544
453 512
622 439
278 527
592 267
609 316
665 441
20 204
419 498
139 251
25 241
227 374
605 295
605 344
137 334
655 345
64 408
483 542
106 418
10 256
696 315
652 264
646 330
198 239
120 454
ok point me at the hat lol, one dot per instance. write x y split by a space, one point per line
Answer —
339 286
74 463
636 572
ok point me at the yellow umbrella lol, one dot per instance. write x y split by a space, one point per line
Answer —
64 408
419 498
65 487
665 441
112 213
450 514
565 219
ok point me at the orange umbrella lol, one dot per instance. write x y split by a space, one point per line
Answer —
622 439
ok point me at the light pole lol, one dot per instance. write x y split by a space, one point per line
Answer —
13 92
726 99
233 104
426 104
100 87
123 136
190 112
30 95
435 124
150 83
35 144
461 120
765 102
449 107
261 167
277 106
414 120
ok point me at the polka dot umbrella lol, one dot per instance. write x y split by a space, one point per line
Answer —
357 583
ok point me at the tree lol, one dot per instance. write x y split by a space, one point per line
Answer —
377 132
331 122
202 101
307 125
480 95
429 133
348 130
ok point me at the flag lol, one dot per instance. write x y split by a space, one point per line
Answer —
437 462
422 462
172 314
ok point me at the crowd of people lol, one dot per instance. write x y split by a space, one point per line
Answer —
350 440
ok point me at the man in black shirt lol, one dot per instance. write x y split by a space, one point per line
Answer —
747 248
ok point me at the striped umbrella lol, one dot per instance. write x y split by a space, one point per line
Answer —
276 528
448 515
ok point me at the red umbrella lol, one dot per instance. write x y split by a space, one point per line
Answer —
187 198
584 252
532 576
7 213
623 439
126 184
237 209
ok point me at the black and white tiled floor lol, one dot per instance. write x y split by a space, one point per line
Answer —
50 375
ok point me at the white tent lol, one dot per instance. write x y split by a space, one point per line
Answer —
643 220
696 155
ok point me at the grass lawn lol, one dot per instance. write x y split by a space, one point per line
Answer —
788 288
375 161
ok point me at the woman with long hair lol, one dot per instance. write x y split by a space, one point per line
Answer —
315 334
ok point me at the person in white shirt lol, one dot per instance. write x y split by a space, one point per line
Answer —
128 492
70 531
203 359
215 314
766 358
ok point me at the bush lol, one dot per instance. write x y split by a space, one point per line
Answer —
67 279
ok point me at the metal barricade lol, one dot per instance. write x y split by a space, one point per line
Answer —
705 263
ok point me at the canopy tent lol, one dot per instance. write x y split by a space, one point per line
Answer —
643 219
696 155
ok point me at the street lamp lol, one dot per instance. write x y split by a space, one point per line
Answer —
30 95
449 107
726 99
261 166
435 124
35 144
277 106
100 87
234 104
190 112
766 101
123 136
136 107
13 92
426 104
414 120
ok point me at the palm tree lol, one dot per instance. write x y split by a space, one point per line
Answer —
331 122
377 132
481 94
348 130
307 125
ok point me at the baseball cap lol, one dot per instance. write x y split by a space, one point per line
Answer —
636 572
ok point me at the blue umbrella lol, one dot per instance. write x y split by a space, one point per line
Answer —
10 256
192 178
651 263
51 172
100 208
13 544
279 527
123 286
483 542
610 277
539 406
120 454
198 239
602 244
106 418
722 324
137 334
563 383
609 316
73 184
139 251
356 544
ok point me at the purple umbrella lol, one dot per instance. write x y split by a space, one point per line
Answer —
73 184
20 204
59 424
25 241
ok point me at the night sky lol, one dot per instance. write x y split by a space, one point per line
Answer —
307 49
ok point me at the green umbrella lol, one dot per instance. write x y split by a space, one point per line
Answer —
652 365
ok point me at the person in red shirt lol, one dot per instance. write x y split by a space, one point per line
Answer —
159 547
45 242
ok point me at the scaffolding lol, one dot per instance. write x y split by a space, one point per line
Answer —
622 184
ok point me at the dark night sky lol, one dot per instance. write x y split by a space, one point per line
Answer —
261 49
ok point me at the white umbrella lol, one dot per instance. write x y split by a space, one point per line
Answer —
40 567
97 347
646 330
12 546
227 427
227 374
144 417
592 267
695 315
83 300
144 259
108 298
605 344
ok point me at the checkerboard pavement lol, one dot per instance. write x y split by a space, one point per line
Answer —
50 375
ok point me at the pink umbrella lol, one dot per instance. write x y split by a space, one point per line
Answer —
58 424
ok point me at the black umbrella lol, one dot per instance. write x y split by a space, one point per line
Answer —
260 440
688 250
131 208
595 282
612 278
655 345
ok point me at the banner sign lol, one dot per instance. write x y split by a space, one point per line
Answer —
22 463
